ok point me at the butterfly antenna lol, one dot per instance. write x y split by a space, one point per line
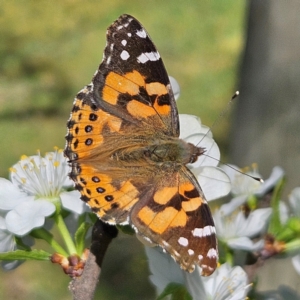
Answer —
235 169
216 122
221 115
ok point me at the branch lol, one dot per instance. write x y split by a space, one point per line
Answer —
83 287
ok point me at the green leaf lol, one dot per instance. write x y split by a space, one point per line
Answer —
275 225
127 229
21 245
80 236
290 231
25 255
294 224
93 217
42 233
177 291
252 202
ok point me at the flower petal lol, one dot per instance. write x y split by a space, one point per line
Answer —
28 215
294 200
244 243
296 263
9 265
227 283
7 241
71 201
214 182
189 125
10 195
194 284
231 206
255 223
163 268
175 87
268 184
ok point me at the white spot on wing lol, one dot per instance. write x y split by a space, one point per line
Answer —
152 56
200 257
165 244
205 231
129 34
141 33
191 252
212 253
124 42
108 60
111 47
183 241
125 55
119 27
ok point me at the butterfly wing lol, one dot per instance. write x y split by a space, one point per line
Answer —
175 215
132 82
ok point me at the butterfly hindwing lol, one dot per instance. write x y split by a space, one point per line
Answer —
177 217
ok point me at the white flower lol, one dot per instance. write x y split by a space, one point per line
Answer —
37 185
7 239
236 230
227 283
175 87
7 244
296 263
213 181
294 200
244 186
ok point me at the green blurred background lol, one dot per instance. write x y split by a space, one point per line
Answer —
50 49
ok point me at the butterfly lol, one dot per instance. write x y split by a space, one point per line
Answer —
126 157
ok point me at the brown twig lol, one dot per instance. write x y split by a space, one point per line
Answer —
83 287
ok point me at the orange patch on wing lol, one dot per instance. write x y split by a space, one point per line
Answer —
140 110
110 95
180 220
192 204
162 220
184 187
114 123
156 88
159 89
81 146
157 222
146 215
116 84
126 196
136 77
162 109
128 187
87 172
164 195
109 190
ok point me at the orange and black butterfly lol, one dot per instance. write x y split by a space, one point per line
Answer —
126 156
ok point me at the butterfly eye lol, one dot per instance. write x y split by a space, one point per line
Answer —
147 153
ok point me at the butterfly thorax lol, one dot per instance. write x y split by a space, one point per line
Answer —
173 151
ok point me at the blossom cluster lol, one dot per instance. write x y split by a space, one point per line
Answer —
38 195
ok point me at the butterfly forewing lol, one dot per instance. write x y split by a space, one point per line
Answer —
133 79
125 155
